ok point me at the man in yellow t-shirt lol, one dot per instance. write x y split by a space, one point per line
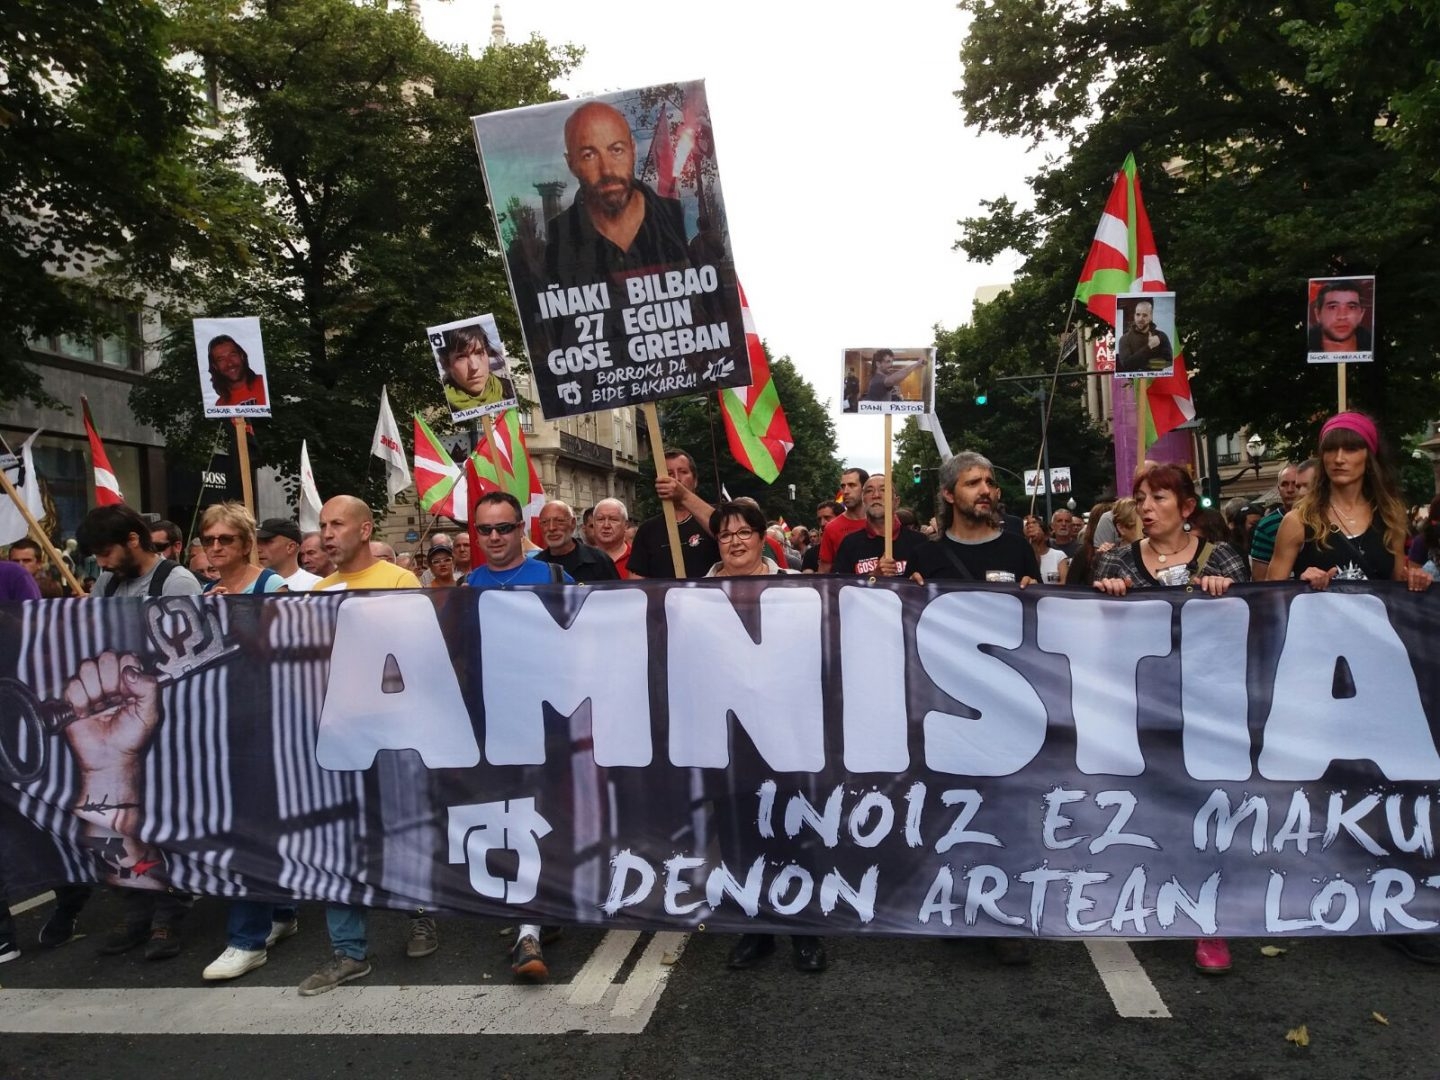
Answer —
346 525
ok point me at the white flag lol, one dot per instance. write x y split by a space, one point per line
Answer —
309 496
388 448
931 422
20 471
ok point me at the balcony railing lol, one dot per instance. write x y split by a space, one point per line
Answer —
585 450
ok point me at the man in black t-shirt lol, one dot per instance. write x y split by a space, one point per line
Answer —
973 547
863 552
650 552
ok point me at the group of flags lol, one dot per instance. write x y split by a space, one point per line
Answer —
1123 258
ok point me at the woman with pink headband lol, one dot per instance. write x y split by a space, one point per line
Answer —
1351 524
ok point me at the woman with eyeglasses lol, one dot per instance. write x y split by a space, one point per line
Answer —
739 529
227 535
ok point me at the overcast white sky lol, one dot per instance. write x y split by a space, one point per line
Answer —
845 158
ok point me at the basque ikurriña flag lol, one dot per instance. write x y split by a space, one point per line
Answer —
755 421
1123 259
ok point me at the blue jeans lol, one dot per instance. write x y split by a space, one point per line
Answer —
249 922
347 930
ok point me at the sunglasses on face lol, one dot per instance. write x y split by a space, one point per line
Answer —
505 528
222 539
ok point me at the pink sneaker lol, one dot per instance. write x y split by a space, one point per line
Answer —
1212 956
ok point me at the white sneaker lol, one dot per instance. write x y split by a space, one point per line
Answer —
279 931
233 962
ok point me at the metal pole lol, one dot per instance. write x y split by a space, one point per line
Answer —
1045 450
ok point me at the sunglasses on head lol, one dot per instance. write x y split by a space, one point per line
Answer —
505 528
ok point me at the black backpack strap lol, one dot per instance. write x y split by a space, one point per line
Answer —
557 573
157 580
113 584
961 569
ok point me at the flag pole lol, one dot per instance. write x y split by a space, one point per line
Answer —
247 492
1142 419
1340 379
889 496
657 447
40 536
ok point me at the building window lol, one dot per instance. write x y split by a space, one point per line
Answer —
121 350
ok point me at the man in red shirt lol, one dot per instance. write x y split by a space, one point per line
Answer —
853 519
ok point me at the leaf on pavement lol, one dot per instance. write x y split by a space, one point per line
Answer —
1379 1018
1271 950
1300 1036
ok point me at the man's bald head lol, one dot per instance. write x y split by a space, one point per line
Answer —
600 151
346 524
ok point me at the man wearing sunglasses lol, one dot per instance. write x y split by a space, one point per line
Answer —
500 525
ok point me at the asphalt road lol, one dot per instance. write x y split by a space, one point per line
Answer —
653 1006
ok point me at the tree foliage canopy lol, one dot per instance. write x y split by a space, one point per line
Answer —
107 188
357 127
1276 143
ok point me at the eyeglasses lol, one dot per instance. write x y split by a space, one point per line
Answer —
743 535
505 528
441 555
222 539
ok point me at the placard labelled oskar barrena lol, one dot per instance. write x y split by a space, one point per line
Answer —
613 224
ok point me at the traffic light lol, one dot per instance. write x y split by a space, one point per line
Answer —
915 474
981 397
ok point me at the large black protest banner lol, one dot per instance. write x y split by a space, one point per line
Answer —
817 755
613 222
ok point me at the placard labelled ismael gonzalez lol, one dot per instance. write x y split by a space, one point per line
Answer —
231 359
610 212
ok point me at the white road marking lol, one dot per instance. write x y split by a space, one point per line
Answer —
595 978
1125 980
593 1004
33 902
640 993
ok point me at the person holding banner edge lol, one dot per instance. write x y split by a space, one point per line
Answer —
1173 554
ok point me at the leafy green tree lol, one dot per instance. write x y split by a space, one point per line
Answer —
1276 144
106 185
970 361
694 424
358 128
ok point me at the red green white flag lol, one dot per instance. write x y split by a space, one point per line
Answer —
439 482
516 474
755 421
1123 259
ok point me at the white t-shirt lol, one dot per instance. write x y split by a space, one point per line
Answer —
302 580
1050 566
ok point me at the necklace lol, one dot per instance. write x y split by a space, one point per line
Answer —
513 574
1349 518
1164 555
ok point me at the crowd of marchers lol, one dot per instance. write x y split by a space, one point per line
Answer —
1335 516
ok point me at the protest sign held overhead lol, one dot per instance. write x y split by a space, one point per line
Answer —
1340 321
473 368
613 223
231 361
888 380
1144 335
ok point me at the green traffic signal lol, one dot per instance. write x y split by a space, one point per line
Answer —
982 398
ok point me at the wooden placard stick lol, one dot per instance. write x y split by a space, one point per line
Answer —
1340 381
672 526
39 534
247 490
1142 419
